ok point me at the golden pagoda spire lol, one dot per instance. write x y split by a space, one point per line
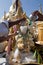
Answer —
40 9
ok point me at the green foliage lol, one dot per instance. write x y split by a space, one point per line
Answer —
37 56
39 59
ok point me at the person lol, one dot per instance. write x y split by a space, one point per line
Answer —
36 16
4 28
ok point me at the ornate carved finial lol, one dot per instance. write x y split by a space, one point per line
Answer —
13 1
4 15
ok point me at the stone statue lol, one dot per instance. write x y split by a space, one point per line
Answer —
24 42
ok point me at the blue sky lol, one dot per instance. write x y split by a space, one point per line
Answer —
28 6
